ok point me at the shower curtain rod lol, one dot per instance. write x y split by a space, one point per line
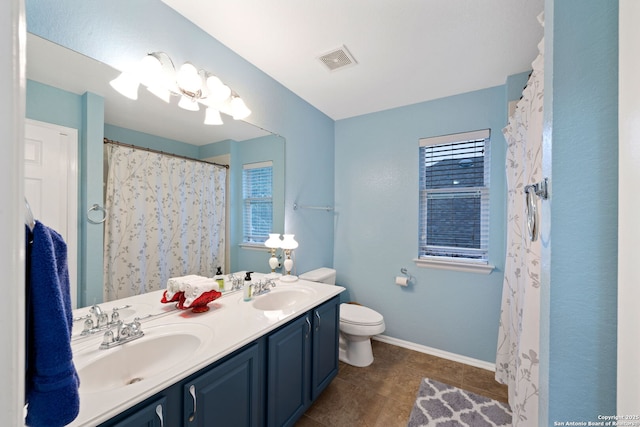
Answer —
151 150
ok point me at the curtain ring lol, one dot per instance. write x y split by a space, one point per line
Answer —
532 212
97 207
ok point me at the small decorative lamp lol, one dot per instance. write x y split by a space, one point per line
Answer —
273 243
288 244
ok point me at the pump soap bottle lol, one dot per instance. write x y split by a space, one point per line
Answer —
248 287
219 278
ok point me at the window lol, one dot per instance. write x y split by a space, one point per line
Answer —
454 197
257 188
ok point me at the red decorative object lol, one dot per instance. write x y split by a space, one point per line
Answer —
199 305
176 297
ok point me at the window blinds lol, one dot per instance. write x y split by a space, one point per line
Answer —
257 188
454 196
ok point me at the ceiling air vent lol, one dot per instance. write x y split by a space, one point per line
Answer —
337 59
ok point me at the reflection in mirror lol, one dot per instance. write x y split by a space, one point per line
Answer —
65 87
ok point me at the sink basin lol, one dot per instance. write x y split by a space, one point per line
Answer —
162 348
282 299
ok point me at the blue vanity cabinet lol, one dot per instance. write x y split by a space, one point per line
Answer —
288 367
152 415
162 410
326 330
302 359
271 381
229 394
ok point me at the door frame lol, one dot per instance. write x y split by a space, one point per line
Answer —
628 385
12 215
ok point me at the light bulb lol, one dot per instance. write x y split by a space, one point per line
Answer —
150 70
188 104
218 91
188 78
126 84
239 109
212 117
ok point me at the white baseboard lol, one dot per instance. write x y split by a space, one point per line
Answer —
435 352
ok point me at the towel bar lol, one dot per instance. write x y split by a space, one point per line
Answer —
319 208
539 189
97 207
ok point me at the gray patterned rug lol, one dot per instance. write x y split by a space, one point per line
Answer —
443 405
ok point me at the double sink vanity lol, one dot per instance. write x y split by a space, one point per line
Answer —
242 363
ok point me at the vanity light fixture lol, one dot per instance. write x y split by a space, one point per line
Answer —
288 244
194 87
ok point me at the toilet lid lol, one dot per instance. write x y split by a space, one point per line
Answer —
359 315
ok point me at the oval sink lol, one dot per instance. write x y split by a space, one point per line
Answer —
281 299
136 361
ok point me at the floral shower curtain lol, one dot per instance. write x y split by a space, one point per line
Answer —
517 360
166 218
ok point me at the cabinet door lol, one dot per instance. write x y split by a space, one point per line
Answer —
230 394
288 374
152 415
326 323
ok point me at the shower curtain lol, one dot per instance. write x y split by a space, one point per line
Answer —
166 218
517 360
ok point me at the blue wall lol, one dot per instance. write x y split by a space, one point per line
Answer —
578 362
377 224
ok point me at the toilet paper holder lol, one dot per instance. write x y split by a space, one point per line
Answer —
404 271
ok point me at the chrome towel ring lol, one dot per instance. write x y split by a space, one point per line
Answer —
533 219
98 208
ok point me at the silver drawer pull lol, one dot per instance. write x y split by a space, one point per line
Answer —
192 392
309 325
159 414
318 317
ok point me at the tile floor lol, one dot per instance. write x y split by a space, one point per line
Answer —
383 394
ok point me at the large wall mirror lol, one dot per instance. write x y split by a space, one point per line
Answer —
59 78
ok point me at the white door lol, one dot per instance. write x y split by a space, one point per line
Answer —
51 184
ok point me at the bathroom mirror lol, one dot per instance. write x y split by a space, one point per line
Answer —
58 67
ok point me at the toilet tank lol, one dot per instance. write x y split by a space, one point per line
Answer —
320 275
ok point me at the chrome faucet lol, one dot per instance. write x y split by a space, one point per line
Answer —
125 332
263 287
100 320
236 282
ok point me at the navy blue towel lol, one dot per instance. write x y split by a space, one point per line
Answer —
52 381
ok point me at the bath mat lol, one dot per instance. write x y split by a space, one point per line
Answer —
443 405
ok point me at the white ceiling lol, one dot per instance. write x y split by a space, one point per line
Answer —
408 51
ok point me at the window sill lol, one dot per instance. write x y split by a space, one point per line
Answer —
466 266
254 246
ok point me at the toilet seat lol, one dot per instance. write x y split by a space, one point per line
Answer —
359 315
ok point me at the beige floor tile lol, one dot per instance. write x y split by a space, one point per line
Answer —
382 395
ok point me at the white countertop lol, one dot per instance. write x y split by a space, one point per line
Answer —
230 324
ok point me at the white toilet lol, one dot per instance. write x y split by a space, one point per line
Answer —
357 323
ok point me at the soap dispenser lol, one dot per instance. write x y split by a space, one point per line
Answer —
219 278
248 287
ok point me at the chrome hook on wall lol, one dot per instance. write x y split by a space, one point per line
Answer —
540 189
